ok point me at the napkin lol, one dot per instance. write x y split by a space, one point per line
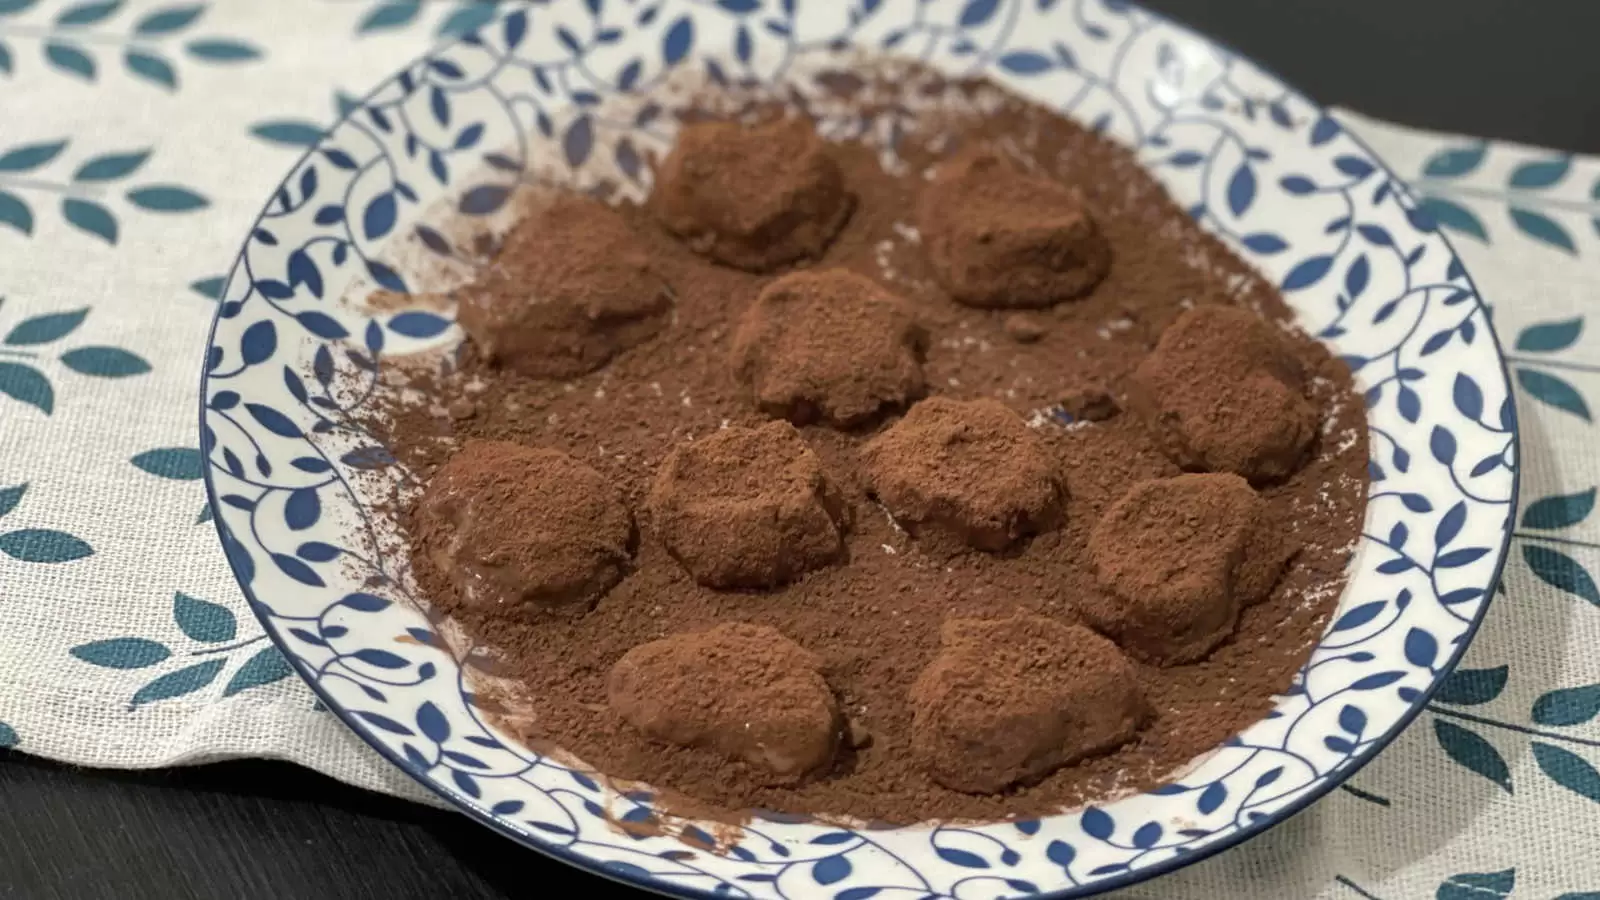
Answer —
140 139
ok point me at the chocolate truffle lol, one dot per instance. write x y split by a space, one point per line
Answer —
965 473
571 288
747 508
1008 701
999 236
520 529
1224 392
754 197
745 691
828 345
1178 557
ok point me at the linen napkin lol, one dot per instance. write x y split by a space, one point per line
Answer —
137 140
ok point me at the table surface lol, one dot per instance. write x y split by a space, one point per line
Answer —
270 830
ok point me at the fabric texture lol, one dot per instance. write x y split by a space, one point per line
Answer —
141 138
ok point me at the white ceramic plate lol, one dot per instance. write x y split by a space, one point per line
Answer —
1304 201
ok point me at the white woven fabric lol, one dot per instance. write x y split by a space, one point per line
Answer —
139 139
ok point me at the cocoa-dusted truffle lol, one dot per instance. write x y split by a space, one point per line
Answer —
1178 558
754 197
999 236
519 529
965 474
747 508
1008 701
828 345
1224 392
743 690
571 288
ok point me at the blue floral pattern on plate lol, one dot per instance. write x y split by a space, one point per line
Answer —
290 471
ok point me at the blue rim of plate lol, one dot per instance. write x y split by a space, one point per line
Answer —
1320 788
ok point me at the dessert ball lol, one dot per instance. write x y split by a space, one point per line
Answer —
571 288
1224 392
999 236
1177 559
960 474
747 508
520 529
745 691
1008 701
828 345
754 197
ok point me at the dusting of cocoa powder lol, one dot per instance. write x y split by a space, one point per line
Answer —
888 610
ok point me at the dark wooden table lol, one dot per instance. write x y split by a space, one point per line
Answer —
264 830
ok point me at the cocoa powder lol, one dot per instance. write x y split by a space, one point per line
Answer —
875 616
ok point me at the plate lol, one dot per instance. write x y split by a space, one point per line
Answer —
291 473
